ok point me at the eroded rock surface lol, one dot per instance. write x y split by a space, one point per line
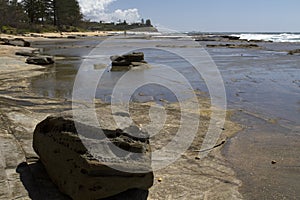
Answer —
16 42
121 159
40 60
127 61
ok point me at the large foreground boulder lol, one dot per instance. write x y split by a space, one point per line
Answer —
127 61
120 160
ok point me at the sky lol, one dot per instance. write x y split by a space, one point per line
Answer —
201 15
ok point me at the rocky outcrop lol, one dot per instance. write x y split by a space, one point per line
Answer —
16 42
71 37
106 172
292 52
216 38
247 46
127 61
229 37
40 60
34 56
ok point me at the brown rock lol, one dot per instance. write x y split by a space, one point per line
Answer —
134 57
292 52
127 61
108 172
40 60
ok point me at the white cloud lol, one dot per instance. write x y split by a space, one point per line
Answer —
96 10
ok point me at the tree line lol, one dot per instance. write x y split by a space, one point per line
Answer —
30 13
48 15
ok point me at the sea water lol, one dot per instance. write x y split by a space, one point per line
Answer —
265 81
274 37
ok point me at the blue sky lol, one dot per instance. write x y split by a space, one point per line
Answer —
216 15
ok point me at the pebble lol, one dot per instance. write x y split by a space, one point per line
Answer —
274 162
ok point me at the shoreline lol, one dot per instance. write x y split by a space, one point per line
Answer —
21 110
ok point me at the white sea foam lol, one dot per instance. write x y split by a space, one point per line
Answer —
280 37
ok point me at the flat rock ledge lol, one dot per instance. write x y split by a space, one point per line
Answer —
15 42
105 173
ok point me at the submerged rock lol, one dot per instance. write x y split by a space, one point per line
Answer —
108 172
292 52
40 60
127 61
71 37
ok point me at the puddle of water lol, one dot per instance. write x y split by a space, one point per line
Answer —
58 82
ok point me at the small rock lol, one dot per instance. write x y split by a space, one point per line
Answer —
292 52
160 180
274 162
40 60
127 61
134 57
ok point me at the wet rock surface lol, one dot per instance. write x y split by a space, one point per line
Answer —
81 175
249 46
127 61
16 42
40 60
293 52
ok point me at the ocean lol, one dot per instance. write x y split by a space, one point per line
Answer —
247 78
274 37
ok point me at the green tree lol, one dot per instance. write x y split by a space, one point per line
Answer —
56 12
3 12
148 22
30 9
66 12
11 13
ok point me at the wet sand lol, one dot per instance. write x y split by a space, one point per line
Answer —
262 88
265 156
